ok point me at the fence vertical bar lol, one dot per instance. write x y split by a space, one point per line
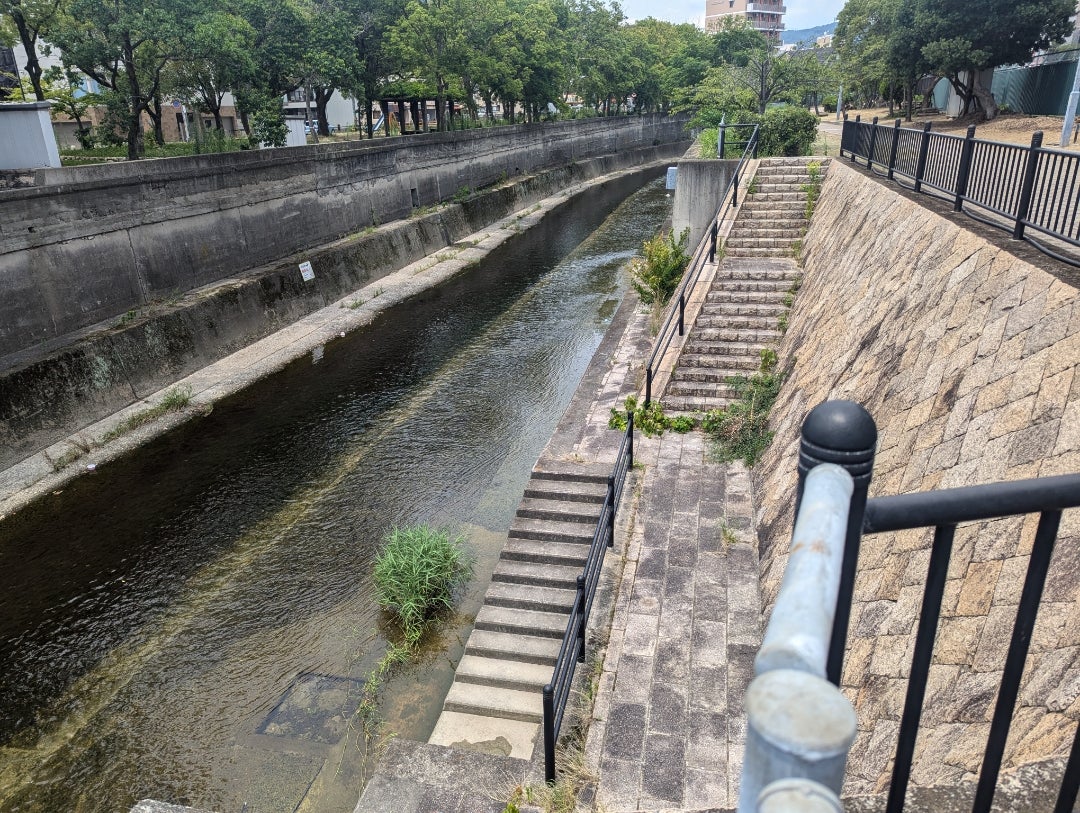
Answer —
713 234
648 384
682 311
735 190
1029 184
611 515
893 149
841 432
855 131
1070 784
582 620
843 136
1026 611
549 734
963 172
940 554
924 149
629 439
873 142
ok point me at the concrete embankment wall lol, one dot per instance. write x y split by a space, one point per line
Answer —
49 397
89 243
967 358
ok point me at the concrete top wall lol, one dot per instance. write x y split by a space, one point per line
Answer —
967 357
89 243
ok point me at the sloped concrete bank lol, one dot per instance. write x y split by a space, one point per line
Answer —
211 323
966 356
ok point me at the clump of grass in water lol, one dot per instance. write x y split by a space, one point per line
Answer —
416 573
175 400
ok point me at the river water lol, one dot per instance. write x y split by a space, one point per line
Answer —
192 623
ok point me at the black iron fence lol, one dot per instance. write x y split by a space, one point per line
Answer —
1021 189
675 325
572 651
842 432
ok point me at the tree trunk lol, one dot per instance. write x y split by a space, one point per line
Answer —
155 113
29 43
322 98
136 104
489 108
369 120
985 96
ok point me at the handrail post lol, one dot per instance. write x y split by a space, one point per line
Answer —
841 432
611 515
873 141
582 620
963 172
630 439
549 734
735 190
895 147
856 132
648 384
713 233
924 149
721 145
844 135
682 311
1024 209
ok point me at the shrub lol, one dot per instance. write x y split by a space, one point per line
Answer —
656 275
417 570
741 430
787 131
649 420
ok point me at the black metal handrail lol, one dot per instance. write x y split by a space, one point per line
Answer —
1024 187
673 326
572 651
842 432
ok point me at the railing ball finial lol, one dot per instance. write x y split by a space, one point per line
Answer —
840 432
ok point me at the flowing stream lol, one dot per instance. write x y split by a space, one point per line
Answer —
193 623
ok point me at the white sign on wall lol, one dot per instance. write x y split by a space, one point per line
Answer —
306 271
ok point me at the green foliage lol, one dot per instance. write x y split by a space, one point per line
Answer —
787 131
656 275
174 400
650 420
741 430
416 572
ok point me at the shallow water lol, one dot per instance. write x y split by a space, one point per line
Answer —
192 623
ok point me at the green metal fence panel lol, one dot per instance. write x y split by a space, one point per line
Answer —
1040 90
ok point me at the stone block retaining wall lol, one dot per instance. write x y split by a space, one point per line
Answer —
967 358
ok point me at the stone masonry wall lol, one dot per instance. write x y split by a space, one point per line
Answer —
967 358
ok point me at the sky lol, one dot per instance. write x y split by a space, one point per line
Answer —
800 13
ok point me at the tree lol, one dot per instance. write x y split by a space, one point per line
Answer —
971 36
31 19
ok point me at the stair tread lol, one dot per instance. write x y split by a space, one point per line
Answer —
503 673
493 701
540 550
545 575
515 621
559 510
567 490
547 529
530 597
514 646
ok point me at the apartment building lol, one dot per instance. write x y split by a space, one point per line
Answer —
767 17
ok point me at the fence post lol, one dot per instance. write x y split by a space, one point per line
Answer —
841 432
1024 208
611 516
873 142
630 438
713 232
844 137
735 190
682 311
963 172
855 131
549 734
797 725
582 620
721 139
894 148
924 149
648 384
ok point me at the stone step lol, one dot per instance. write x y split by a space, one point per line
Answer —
521 622
566 490
781 183
727 333
542 575
572 472
747 270
775 292
773 309
675 404
788 194
530 597
726 287
718 361
559 510
572 554
751 241
792 231
707 375
699 389
547 530
526 677
491 701
759 252
514 647
732 349
739 324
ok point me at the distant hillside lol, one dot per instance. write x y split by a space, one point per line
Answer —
806 34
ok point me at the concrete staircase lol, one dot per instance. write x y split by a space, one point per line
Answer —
515 641
741 313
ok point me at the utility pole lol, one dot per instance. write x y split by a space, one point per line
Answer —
1070 112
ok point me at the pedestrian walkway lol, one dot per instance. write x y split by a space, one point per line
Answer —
668 729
